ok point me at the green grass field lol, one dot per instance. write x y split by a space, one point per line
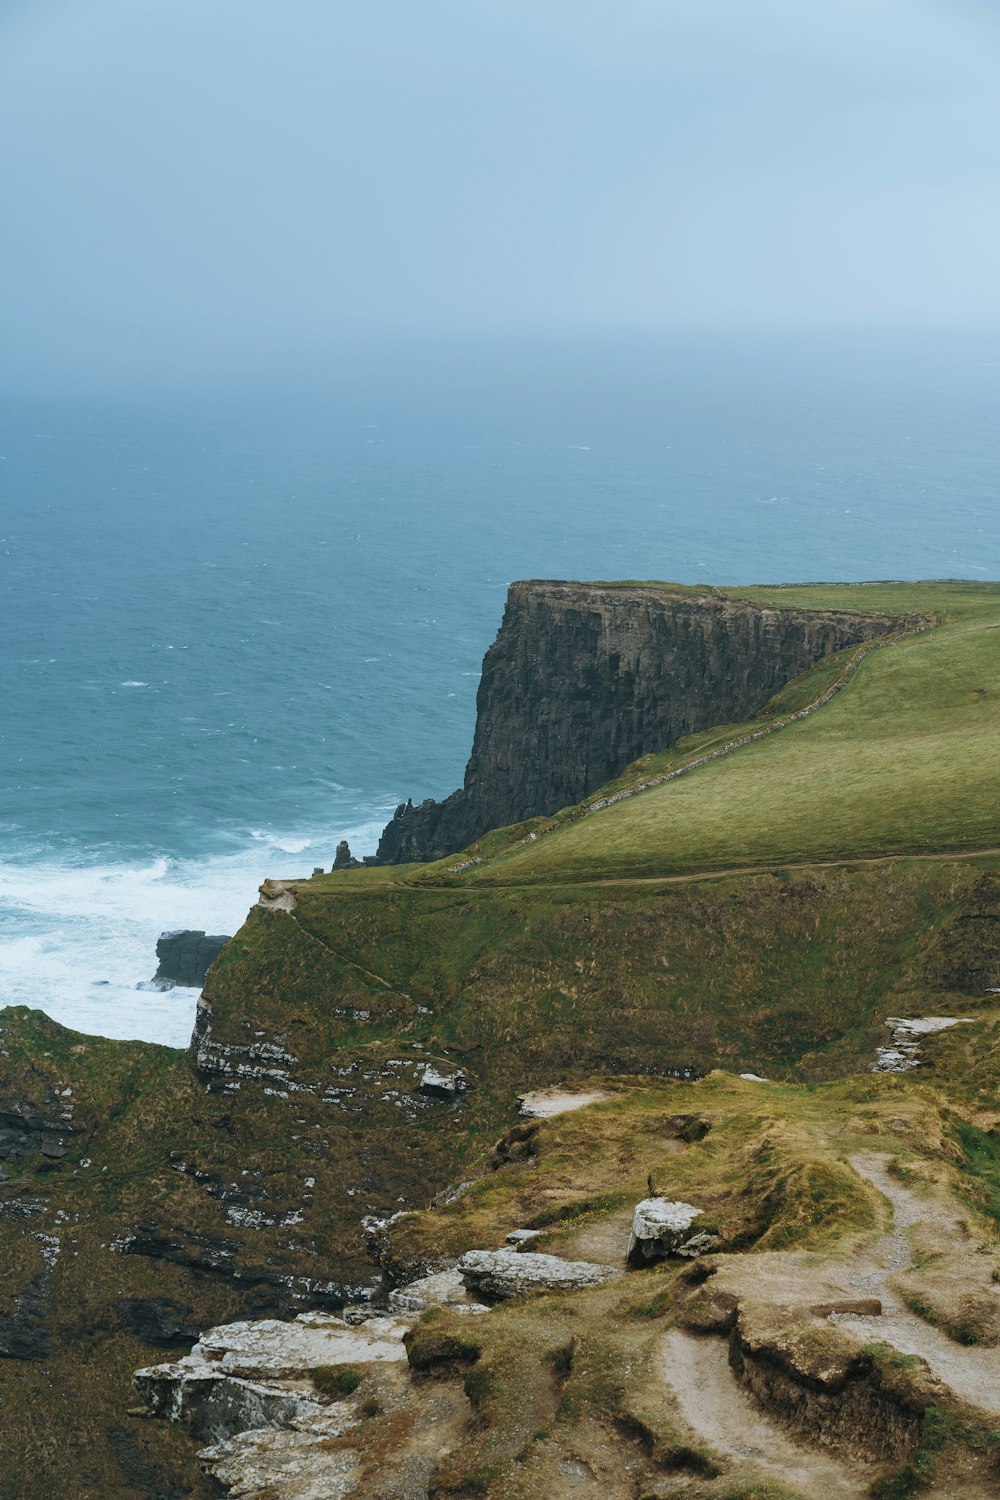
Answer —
904 760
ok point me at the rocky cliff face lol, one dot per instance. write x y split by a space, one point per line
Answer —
186 956
582 680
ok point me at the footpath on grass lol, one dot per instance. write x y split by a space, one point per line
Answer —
849 861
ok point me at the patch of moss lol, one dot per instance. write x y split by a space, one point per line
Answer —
431 1348
980 1159
577 1209
336 1380
759 1489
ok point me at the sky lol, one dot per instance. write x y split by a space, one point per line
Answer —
192 185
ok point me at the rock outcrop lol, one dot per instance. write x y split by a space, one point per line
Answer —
231 1380
582 680
344 859
496 1275
903 1053
185 957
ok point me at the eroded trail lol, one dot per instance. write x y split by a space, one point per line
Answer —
731 1424
972 1373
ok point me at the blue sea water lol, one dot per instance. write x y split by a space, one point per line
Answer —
240 626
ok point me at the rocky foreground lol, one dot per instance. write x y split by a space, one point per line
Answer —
863 1362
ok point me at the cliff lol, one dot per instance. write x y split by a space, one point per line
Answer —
582 679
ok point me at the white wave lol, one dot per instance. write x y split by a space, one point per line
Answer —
76 937
133 684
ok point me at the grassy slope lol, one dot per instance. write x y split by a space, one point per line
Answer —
772 973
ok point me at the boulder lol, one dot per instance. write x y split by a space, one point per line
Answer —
661 1228
496 1275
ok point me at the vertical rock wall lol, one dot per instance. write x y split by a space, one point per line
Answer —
583 679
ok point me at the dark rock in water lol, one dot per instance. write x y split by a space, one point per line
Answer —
583 680
100 981
185 958
344 859
155 986
159 1321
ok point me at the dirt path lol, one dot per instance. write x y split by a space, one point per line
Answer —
848 862
716 1407
972 1373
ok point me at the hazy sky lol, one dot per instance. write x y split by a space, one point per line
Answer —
192 184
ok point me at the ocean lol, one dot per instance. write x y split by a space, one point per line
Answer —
240 625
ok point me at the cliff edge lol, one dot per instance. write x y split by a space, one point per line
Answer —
583 679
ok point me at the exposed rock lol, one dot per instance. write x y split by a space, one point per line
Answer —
542 1104
344 859
661 1227
273 1287
444 1289
26 1130
903 1053
242 1376
442 1084
184 958
24 1331
285 1465
497 1275
277 895
582 680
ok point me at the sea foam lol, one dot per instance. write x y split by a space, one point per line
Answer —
78 936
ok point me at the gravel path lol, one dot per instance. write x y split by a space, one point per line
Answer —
729 1422
972 1373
